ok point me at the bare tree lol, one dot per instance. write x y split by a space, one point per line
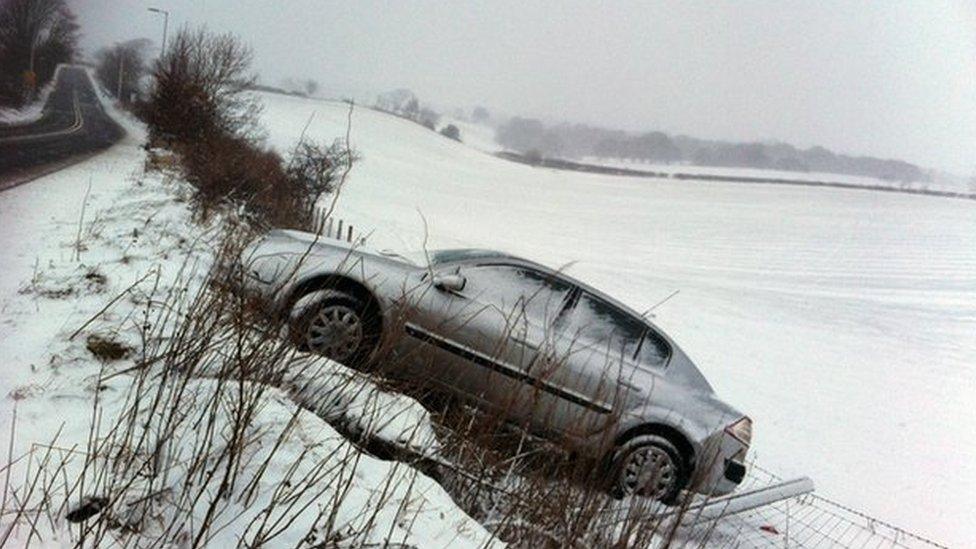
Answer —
427 118
199 87
411 109
35 36
397 101
480 114
121 67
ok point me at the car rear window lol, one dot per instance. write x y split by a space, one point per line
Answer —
596 322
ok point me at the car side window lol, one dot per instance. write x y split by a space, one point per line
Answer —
596 322
517 290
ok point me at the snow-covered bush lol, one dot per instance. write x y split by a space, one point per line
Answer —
451 131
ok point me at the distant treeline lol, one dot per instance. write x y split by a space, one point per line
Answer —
534 138
561 164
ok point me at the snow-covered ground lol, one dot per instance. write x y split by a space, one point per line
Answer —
842 321
69 244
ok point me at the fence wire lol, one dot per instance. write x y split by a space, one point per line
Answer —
805 521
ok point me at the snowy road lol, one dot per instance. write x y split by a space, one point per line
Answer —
73 124
843 321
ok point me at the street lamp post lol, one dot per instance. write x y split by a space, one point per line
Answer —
165 25
118 94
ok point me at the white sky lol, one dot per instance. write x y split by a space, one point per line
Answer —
889 79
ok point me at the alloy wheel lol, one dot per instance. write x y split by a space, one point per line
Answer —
649 471
335 331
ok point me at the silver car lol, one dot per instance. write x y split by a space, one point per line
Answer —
545 350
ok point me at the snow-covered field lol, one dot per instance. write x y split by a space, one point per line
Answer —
842 321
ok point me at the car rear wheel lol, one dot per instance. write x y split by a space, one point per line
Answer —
649 466
333 324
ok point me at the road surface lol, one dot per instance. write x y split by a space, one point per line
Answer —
72 125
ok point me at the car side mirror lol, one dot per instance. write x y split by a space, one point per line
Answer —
449 282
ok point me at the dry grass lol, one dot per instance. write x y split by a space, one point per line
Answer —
183 454
185 451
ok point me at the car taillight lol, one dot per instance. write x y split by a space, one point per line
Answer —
741 430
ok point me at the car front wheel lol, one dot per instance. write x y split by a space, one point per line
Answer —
333 324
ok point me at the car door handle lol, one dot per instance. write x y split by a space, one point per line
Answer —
524 342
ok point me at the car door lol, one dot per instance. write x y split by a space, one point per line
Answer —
590 362
488 333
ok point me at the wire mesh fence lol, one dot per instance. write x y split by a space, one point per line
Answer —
806 521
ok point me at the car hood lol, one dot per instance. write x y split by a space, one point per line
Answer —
286 241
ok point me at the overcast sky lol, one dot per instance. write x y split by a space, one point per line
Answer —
890 79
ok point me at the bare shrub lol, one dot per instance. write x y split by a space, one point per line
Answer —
200 107
316 169
229 169
226 168
200 86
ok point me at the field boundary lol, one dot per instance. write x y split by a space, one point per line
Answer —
559 164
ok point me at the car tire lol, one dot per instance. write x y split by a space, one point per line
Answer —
334 324
649 466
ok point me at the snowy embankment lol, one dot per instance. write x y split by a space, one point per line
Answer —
100 252
32 111
840 320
